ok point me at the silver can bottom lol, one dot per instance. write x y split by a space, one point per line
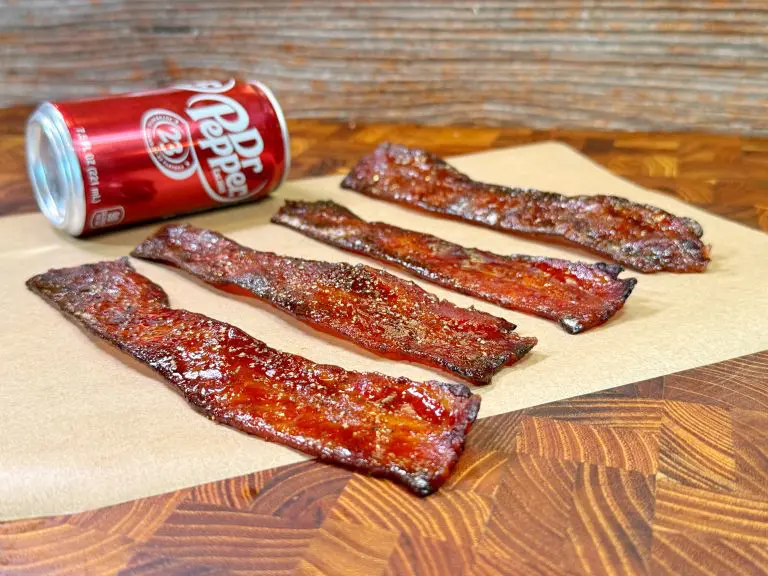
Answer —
54 170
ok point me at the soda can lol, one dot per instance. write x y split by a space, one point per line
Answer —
106 163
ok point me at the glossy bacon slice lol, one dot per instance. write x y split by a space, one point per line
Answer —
364 305
576 294
636 235
412 432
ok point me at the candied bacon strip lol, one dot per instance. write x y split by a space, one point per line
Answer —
577 295
411 432
638 236
364 305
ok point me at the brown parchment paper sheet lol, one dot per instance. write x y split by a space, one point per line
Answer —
83 426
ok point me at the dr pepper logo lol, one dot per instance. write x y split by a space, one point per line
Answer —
228 152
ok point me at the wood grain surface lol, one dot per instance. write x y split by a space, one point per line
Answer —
667 476
725 174
618 64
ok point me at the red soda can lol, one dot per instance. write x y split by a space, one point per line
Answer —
109 162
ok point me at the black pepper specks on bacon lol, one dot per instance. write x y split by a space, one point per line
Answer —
367 306
577 295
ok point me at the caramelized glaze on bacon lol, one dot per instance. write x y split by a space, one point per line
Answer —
412 432
364 305
577 295
638 236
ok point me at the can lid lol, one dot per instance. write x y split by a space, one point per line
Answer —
54 169
283 126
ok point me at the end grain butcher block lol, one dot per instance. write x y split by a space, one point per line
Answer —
656 464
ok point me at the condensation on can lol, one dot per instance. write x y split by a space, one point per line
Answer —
102 164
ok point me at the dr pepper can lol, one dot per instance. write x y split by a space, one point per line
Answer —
105 163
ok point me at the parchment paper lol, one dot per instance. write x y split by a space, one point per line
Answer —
84 426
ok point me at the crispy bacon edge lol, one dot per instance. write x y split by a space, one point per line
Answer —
659 241
90 295
481 344
423 255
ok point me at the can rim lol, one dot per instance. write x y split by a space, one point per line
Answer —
283 127
58 189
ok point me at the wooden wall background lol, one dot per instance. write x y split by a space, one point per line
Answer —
615 64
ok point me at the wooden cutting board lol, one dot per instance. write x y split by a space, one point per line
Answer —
666 475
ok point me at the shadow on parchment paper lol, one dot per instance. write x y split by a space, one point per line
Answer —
125 358
640 307
222 219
